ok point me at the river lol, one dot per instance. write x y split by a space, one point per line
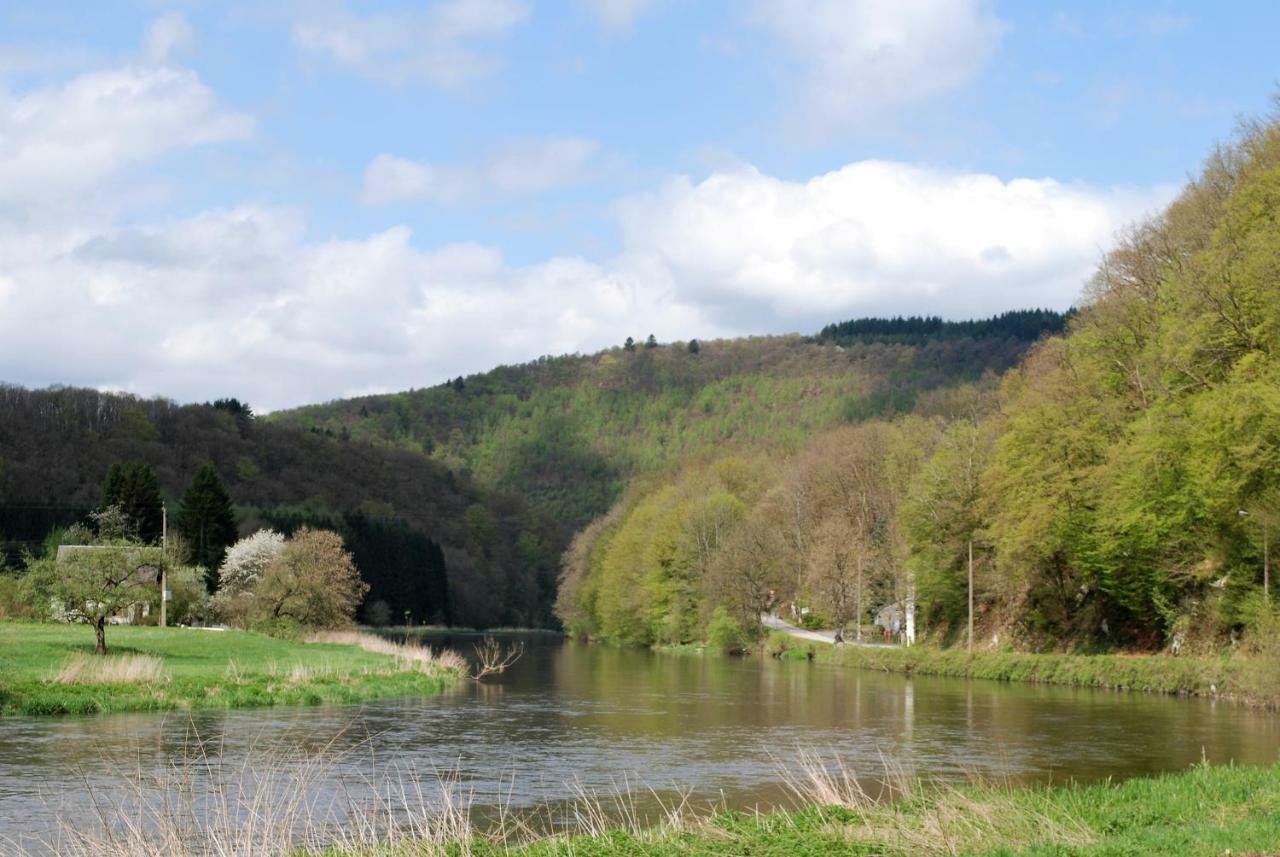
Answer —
571 717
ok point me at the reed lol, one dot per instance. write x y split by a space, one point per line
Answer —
110 669
423 658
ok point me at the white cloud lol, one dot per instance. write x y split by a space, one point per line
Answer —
862 57
440 44
241 302
244 301
519 167
619 15
238 302
69 138
877 237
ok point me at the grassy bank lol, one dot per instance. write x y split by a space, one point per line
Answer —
1202 811
51 669
1253 680
1206 811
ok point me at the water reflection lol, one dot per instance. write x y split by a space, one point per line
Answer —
599 717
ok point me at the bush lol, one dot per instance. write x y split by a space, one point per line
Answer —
725 633
779 643
811 621
18 598
1261 620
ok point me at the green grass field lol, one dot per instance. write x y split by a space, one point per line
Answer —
198 669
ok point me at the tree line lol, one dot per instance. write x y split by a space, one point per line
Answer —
65 451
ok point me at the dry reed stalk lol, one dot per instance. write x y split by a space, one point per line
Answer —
409 655
111 669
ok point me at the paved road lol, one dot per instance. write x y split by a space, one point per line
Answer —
776 624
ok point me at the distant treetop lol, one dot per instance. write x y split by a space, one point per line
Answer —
1024 325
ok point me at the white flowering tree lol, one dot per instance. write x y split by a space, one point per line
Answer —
246 560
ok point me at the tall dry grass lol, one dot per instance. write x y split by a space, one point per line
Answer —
409 655
933 819
286 805
111 669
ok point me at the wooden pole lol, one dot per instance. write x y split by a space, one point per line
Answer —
970 596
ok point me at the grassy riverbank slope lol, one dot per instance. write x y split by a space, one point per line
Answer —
51 669
1253 680
1204 811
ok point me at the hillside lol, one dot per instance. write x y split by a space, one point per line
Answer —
1120 487
428 540
568 433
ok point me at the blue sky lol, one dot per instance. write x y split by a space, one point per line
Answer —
329 198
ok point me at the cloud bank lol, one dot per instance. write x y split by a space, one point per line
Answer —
246 301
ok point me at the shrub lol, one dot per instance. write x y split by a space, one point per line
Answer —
778 644
18 597
312 583
725 633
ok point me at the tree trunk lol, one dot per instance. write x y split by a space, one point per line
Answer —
857 632
100 632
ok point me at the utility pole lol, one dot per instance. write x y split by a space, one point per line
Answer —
164 565
971 596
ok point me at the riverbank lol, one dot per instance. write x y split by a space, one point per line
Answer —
1204 811
1249 680
1253 681
51 669
1200 812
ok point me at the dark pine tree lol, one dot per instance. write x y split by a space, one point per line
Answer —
134 488
651 342
207 521
629 345
694 347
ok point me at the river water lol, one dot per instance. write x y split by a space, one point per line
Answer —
569 718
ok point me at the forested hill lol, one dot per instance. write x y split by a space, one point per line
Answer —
569 432
428 540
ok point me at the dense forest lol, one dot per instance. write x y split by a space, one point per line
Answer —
1119 487
458 501
569 433
1026 325
428 540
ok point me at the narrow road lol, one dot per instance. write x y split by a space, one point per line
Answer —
829 637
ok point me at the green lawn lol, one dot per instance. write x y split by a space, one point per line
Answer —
199 669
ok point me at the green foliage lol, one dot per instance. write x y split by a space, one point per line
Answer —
207 521
570 433
134 489
725 633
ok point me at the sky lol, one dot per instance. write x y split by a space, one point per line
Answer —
292 202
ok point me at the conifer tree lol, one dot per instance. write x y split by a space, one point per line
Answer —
134 489
207 522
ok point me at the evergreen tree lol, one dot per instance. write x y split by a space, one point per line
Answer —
207 522
694 347
134 489
629 345
651 342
